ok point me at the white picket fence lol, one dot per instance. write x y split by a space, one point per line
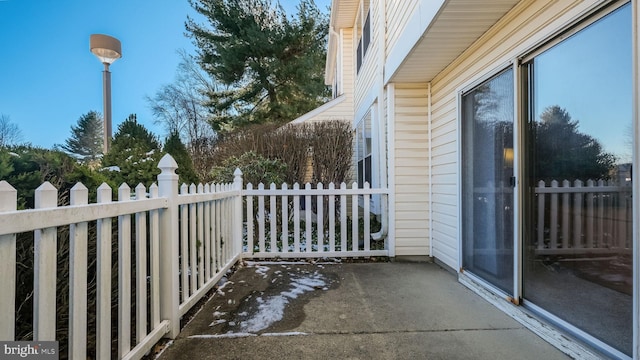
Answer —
296 226
579 219
174 244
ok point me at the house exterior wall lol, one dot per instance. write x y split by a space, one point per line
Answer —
525 26
343 107
411 175
365 79
346 70
398 14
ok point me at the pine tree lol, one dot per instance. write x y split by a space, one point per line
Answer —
85 142
134 154
563 152
272 64
174 147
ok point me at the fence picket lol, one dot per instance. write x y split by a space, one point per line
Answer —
285 219
154 256
8 202
355 238
141 268
553 217
343 219
124 275
207 235
218 232
260 215
296 219
308 209
332 219
193 257
565 215
600 223
577 216
200 237
320 219
224 225
367 219
103 307
184 244
44 293
273 220
250 217
79 195
621 219
541 199
589 224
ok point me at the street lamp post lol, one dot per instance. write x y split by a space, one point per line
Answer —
108 50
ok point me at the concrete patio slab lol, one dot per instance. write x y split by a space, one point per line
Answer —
391 310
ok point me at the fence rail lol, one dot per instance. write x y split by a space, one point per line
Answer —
172 245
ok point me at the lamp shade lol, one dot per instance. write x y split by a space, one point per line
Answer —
105 47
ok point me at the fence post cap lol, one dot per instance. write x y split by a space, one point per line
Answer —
8 196
46 186
167 164
79 187
5 186
238 172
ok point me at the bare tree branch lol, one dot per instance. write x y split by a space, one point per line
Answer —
10 133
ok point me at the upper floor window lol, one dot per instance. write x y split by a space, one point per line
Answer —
364 31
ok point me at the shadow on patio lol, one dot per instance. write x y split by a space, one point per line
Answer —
395 310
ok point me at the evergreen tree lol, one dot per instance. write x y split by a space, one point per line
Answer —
272 64
134 154
176 148
86 139
563 152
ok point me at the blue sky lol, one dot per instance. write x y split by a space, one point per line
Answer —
590 76
49 78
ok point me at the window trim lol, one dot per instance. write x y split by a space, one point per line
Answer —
571 28
364 38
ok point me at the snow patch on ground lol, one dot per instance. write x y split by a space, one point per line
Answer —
231 335
291 333
262 270
269 312
217 322
271 309
228 335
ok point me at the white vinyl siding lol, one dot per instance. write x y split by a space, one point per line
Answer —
344 109
398 14
526 25
346 70
411 173
365 78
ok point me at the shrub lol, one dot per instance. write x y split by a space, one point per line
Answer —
255 169
317 152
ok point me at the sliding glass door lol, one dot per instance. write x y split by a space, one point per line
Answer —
487 192
578 230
